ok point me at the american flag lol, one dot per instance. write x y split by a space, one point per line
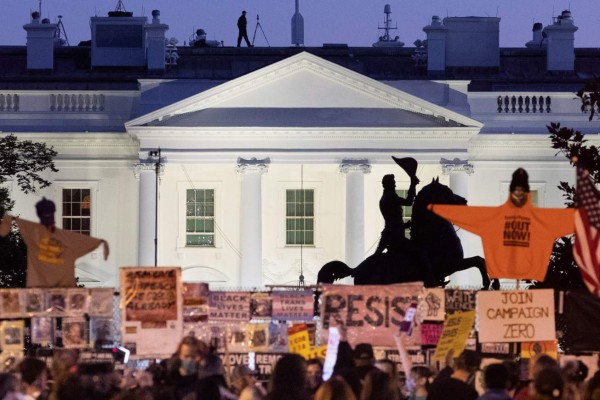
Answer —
587 226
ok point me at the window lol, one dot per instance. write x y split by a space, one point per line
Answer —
200 217
76 210
300 217
533 195
406 211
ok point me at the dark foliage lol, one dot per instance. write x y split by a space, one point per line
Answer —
563 273
23 161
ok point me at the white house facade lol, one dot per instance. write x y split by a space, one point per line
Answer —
261 178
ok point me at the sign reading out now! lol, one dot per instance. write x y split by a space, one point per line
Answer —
516 316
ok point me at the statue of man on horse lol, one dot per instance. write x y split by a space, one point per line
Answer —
433 251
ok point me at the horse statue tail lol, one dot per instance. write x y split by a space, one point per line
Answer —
333 271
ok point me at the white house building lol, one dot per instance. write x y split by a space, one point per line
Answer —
271 159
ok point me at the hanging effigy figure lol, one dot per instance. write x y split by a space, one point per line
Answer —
51 251
517 237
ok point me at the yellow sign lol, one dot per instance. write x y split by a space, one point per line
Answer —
455 333
316 352
298 339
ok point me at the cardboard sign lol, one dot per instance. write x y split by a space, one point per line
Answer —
150 294
516 316
434 304
298 339
430 334
459 300
195 302
370 313
293 305
151 323
454 334
229 306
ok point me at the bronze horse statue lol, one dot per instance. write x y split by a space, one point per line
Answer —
433 252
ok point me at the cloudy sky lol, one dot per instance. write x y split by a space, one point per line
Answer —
354 22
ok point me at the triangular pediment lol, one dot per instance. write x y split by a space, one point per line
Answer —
303 91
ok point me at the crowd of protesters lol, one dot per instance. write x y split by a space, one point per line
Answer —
196 372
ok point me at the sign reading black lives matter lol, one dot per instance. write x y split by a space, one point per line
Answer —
516 316
152 302
229 306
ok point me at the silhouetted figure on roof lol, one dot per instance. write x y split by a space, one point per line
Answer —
242 23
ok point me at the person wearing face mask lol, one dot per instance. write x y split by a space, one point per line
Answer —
182 367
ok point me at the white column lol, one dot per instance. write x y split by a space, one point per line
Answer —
145 173
355 171
251 220
459 171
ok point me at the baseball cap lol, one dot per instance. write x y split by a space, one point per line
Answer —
363 351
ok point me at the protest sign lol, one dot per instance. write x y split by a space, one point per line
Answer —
516 316
530 349
459 300
298 339
433 304
261 305
455 333
430 334
297 305
152 319
370 313
195 302
229 306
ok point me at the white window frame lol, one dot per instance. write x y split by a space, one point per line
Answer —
281 207
58 187
182 188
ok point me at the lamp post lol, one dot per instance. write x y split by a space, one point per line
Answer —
156 154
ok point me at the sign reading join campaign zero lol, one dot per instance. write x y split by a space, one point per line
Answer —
516 316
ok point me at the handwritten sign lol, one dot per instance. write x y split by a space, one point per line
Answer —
150 294
516 316
454 334
293 305
298 339
371 313
459 300
152 323
430 334
229 306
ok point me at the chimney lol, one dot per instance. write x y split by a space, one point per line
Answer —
40 43
155 36
561 48
538 40
436 45
297 27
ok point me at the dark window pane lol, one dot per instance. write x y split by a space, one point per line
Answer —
85 224
67 223
66 209
66 195
77 195
75 224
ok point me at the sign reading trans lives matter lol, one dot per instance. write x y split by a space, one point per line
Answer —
516 316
